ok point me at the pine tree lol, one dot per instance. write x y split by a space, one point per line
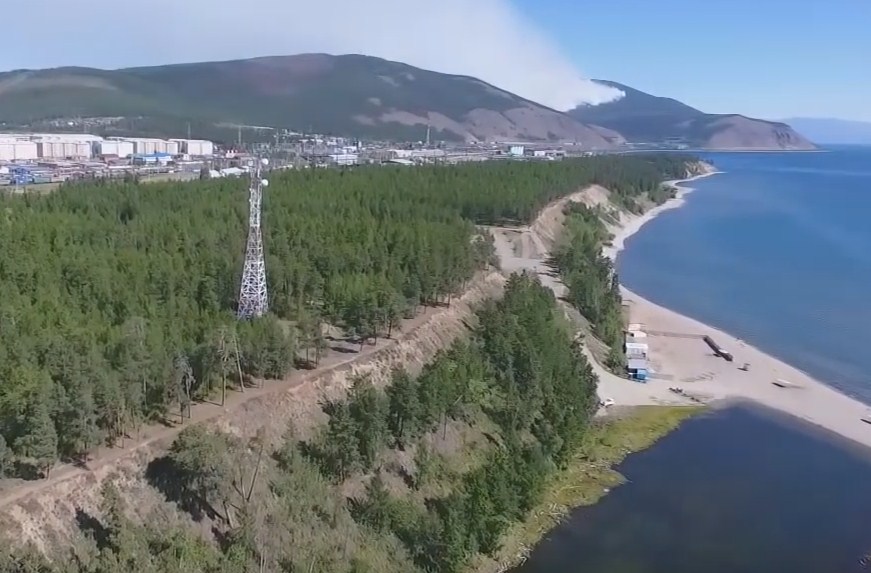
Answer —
367 409
38 438
404 407
341 448
79 431
5 458
375 511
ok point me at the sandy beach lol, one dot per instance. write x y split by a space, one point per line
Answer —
680 359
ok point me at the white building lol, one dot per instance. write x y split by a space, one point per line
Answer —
195 147
60 148
66 145
517 150
149 146
12 149
117 147
344 158
232 172
636 350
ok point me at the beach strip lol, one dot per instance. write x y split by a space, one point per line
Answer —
681 360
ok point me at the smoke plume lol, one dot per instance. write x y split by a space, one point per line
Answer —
487 39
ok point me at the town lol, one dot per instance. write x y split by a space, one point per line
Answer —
44 160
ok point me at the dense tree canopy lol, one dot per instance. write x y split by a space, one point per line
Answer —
287 512
118 298
118 306
520 369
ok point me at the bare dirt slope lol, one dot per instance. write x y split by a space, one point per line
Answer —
527 249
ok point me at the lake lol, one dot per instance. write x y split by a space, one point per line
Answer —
777 252
739 490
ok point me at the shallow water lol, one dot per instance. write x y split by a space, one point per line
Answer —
734 491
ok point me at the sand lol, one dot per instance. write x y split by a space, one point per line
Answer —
679 357
689 364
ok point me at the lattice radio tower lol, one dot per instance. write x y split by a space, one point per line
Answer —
253 299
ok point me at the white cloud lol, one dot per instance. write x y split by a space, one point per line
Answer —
487 39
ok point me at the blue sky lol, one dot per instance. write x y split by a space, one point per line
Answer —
763 58
767 58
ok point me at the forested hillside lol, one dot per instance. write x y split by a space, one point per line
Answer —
117 299
351 95
519 375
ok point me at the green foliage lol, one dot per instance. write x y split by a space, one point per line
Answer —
426 464
593 285
375 510
107 285
404 407
267 350
148 280
5 458
340 453
522 370
368 409
326 96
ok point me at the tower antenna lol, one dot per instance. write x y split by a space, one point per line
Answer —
253 299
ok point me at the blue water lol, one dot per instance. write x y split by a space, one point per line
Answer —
777 251
735 491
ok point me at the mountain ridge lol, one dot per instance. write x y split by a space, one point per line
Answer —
359 96
644 118
350 94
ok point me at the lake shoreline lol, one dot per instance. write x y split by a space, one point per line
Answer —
680 359
589 476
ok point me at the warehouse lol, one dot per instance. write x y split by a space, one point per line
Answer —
64 146
13 149
116 147
148 146
195 147
58 148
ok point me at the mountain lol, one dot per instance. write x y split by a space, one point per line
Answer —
825 131
349 95
644 118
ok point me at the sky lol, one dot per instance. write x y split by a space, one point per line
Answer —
763 58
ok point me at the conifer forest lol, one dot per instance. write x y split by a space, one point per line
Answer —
117 310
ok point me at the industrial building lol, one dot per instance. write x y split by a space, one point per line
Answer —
149 145
151 158
195 147
62 148
116 147
27 146
343 159
16 149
